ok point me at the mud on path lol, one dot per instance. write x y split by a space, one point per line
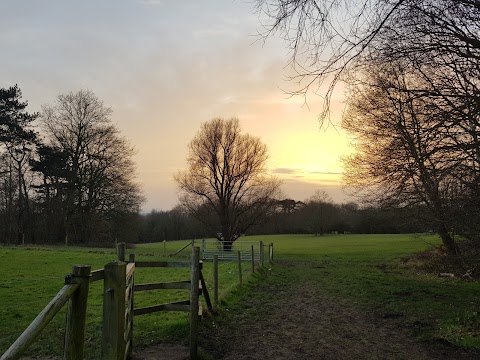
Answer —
300 321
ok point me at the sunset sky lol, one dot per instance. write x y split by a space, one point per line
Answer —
164 67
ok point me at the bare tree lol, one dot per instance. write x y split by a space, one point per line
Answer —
98 170
404 152
320 212
226 174
420 143
328 39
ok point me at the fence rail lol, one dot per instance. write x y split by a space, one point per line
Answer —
75 291
118 303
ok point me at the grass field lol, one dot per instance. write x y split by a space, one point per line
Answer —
31 276
365 269
371 271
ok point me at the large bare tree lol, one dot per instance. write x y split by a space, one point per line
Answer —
329 38
98 170
227 175
405 153
426 53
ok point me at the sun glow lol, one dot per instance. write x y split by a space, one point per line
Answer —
303 154
309 159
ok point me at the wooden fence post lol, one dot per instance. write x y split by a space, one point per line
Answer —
194 280
39 323
130 309
270 252
164 247
121 252
261 253
253 259
239 260
76 314
215 279
113 328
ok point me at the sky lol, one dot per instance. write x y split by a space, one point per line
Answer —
165 67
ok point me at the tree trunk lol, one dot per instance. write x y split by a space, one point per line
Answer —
448 241
227 245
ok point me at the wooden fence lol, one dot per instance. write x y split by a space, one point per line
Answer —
118 306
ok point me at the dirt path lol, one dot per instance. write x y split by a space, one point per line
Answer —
303 322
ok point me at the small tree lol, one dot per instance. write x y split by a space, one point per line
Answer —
226 176
320 211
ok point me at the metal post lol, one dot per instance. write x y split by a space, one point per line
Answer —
253 259
239 259
215 279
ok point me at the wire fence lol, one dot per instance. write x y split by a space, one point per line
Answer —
211 247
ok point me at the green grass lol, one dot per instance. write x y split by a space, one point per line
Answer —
371 271
31 277
363 269
376 246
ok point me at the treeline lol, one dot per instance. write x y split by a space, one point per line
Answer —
66 173
294 217
322 218
67 177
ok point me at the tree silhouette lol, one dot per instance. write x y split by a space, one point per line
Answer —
18 138
226 176
97 177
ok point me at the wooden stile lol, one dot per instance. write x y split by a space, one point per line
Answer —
175 264
113 329
194 300
130 306
37 325
121 252
96 275
183 305
77 314
204 290
118 305
185 285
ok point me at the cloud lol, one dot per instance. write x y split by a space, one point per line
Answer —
299 189
298 172
203 33
151 2
326 173
176 68
284 171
